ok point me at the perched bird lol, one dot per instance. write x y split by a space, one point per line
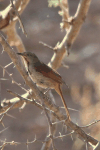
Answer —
43 75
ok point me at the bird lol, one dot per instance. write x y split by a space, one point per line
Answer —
44 76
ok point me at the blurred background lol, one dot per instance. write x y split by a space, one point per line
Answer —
83 76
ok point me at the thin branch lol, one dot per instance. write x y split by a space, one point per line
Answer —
64 65
61 136
46 45
50 126
97 146
8 65
90 124
48 141
62 121
22 99
18 143
10 75
20 22
4 130
5 112
86 145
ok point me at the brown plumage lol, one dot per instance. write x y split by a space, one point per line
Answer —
48 72
43 75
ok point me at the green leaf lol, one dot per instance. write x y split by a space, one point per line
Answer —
53 3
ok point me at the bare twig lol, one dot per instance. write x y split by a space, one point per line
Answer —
46 145
8 65
22 99
64 65
90 124
71 109
20 22
46 45
50 126
10 75
97 147
19 143
5 112
4 130
61 136
86 145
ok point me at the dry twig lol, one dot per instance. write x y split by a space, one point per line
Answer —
20 22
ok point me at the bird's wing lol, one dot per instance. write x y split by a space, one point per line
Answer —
48 72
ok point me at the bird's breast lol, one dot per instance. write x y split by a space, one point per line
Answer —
40 79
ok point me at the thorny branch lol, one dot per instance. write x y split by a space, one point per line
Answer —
5 143
73 28
74 127
10 75
17 14
50 125
71 34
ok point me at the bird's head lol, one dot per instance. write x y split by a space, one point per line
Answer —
29 57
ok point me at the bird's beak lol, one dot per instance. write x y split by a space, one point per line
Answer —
20 54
